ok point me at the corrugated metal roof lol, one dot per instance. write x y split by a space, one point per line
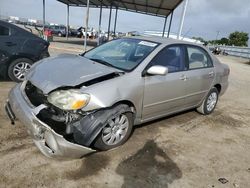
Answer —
161 8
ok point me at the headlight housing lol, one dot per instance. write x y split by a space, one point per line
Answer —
71 99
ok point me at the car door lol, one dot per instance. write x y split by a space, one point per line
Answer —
165 94
6 43
11 40
200 74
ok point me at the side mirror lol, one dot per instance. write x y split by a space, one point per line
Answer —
157 70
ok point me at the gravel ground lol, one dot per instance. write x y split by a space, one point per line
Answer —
185 150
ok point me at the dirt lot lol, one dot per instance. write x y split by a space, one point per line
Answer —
186 150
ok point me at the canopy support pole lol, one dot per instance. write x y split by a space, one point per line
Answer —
43 16
67 31
100 24
182 18
170 23
110 13
164 27
86 27
115 20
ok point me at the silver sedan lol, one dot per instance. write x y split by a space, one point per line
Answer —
73 105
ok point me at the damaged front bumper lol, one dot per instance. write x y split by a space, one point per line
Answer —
46 139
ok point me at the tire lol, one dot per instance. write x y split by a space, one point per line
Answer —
59 34
19 68
212 99
105 136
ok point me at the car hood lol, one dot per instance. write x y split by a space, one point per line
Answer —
65 70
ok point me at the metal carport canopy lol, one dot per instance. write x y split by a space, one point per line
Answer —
161 8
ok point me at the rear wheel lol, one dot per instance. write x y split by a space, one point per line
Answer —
19 68
116 131
209 103
45 54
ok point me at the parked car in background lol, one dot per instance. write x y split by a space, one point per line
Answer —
19 49
132 33
111 88
58 30
73 32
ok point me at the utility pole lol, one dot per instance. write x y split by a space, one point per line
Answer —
67 20
217 35
86 26
43 16
182 18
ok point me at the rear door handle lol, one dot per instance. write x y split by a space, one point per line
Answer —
183 77
211 74
10 44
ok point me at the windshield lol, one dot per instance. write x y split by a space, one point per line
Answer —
124 54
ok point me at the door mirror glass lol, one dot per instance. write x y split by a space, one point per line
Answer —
157 70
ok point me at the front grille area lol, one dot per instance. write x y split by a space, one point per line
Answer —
35 95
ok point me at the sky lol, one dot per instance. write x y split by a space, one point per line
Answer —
204 18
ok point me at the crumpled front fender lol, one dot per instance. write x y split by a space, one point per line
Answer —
88 128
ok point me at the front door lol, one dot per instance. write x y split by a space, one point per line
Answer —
165 94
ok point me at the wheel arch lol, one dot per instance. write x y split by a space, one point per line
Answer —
218 87
19 56
127 102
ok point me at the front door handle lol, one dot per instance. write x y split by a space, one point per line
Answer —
183 77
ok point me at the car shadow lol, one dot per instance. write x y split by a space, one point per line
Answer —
5 79
149 167
90 166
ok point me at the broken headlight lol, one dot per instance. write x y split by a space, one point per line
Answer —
69 99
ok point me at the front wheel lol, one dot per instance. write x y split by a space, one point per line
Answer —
19 68
116 131
209 103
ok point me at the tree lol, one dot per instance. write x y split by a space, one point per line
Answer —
199 38
224 41
238 38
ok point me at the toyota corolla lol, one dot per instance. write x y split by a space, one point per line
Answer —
73 105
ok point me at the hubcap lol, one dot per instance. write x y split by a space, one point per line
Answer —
20 70
211 102
115 130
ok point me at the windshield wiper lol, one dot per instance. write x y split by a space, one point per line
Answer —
103 62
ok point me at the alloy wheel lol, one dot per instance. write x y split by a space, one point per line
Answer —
211 101
115 130
21 69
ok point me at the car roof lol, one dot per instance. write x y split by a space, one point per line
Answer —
164 40
18 29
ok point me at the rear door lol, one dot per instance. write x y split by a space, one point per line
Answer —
200 74
165 94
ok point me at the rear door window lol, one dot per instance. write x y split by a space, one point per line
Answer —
198 58
4 31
